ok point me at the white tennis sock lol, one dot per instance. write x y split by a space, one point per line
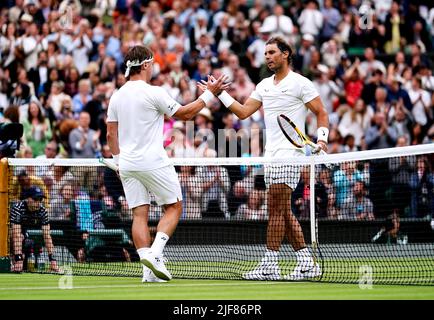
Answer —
303 254
160 241
271 255
142 252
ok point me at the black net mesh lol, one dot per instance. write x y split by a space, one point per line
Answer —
371 221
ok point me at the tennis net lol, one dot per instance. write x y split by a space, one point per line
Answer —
367 219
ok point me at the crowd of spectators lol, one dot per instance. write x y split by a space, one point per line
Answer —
371 61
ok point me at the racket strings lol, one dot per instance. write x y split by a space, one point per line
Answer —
290 132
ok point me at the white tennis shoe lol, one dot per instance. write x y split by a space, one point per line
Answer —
266 270
149 276
305 269
156 264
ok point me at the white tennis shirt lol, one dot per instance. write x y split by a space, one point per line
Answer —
139 109
288 97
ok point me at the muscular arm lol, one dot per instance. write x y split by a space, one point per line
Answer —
47 239
16 238
245 110
215 86
317 107
112 137
188 111
241 110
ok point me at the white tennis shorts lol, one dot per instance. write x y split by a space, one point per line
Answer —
163 182
282 174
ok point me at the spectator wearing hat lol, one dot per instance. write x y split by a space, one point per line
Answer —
304 52
33 8
203 119
16 11
25 180
327 89
256 52
27 214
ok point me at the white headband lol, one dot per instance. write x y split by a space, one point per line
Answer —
135 63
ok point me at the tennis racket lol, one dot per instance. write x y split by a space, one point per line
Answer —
295 136
109 164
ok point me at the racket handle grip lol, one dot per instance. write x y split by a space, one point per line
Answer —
316 149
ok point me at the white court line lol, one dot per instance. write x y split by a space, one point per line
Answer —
153 285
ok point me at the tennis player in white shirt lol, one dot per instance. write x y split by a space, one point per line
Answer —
289 93
135 121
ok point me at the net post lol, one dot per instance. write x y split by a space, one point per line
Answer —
313 230
4 215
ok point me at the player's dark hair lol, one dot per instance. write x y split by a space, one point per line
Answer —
139 53
282 45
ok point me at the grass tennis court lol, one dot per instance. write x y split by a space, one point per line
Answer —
384 270
45 286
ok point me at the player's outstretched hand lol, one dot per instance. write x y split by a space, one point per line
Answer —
216 86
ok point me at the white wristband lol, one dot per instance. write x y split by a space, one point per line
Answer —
206 96
116 159
226 99
323 134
